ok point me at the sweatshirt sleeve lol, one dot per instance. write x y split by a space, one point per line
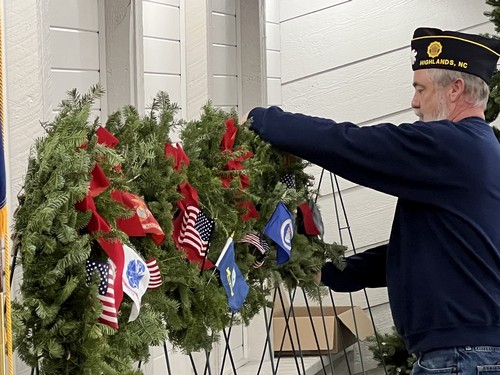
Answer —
405 161
362 270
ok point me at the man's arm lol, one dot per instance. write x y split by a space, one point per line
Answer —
362 270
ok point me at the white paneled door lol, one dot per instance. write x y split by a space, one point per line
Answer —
77 57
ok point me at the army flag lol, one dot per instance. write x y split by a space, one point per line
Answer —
135 279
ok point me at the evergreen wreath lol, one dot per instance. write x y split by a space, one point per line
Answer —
56 322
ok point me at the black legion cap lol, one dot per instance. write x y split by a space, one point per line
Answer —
469 53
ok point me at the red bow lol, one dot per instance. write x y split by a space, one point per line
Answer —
230 135
190 196
105 138
251 211
235 164
180 158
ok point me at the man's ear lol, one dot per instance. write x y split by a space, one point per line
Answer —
457 88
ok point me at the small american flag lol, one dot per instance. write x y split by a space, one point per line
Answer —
260 244
289 181
106 293
196 230
154 274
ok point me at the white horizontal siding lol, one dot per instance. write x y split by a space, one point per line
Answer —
361 29
368 214
299 8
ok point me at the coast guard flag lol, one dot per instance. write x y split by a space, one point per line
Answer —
280 229
135 279
231 277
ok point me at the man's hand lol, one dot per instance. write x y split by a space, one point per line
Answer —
244 118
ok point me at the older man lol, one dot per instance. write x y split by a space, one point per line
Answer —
442 263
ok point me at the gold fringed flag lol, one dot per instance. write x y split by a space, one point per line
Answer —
6 354
3 186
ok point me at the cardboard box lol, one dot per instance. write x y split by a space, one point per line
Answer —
344 326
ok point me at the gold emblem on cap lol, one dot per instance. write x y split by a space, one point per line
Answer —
434 49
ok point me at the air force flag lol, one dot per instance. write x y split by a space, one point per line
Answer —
231 277
280 229
135 279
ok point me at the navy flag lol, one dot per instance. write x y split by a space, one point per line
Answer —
231 277
280 229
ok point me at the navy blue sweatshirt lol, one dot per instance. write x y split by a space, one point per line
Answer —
443 257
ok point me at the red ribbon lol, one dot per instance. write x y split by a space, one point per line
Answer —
190 196
114 249
97 223
99 181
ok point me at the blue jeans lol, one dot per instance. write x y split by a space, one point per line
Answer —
468 360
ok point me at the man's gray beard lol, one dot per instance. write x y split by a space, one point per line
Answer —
442 114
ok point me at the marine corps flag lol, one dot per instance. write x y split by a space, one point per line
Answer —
142 221
231 277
